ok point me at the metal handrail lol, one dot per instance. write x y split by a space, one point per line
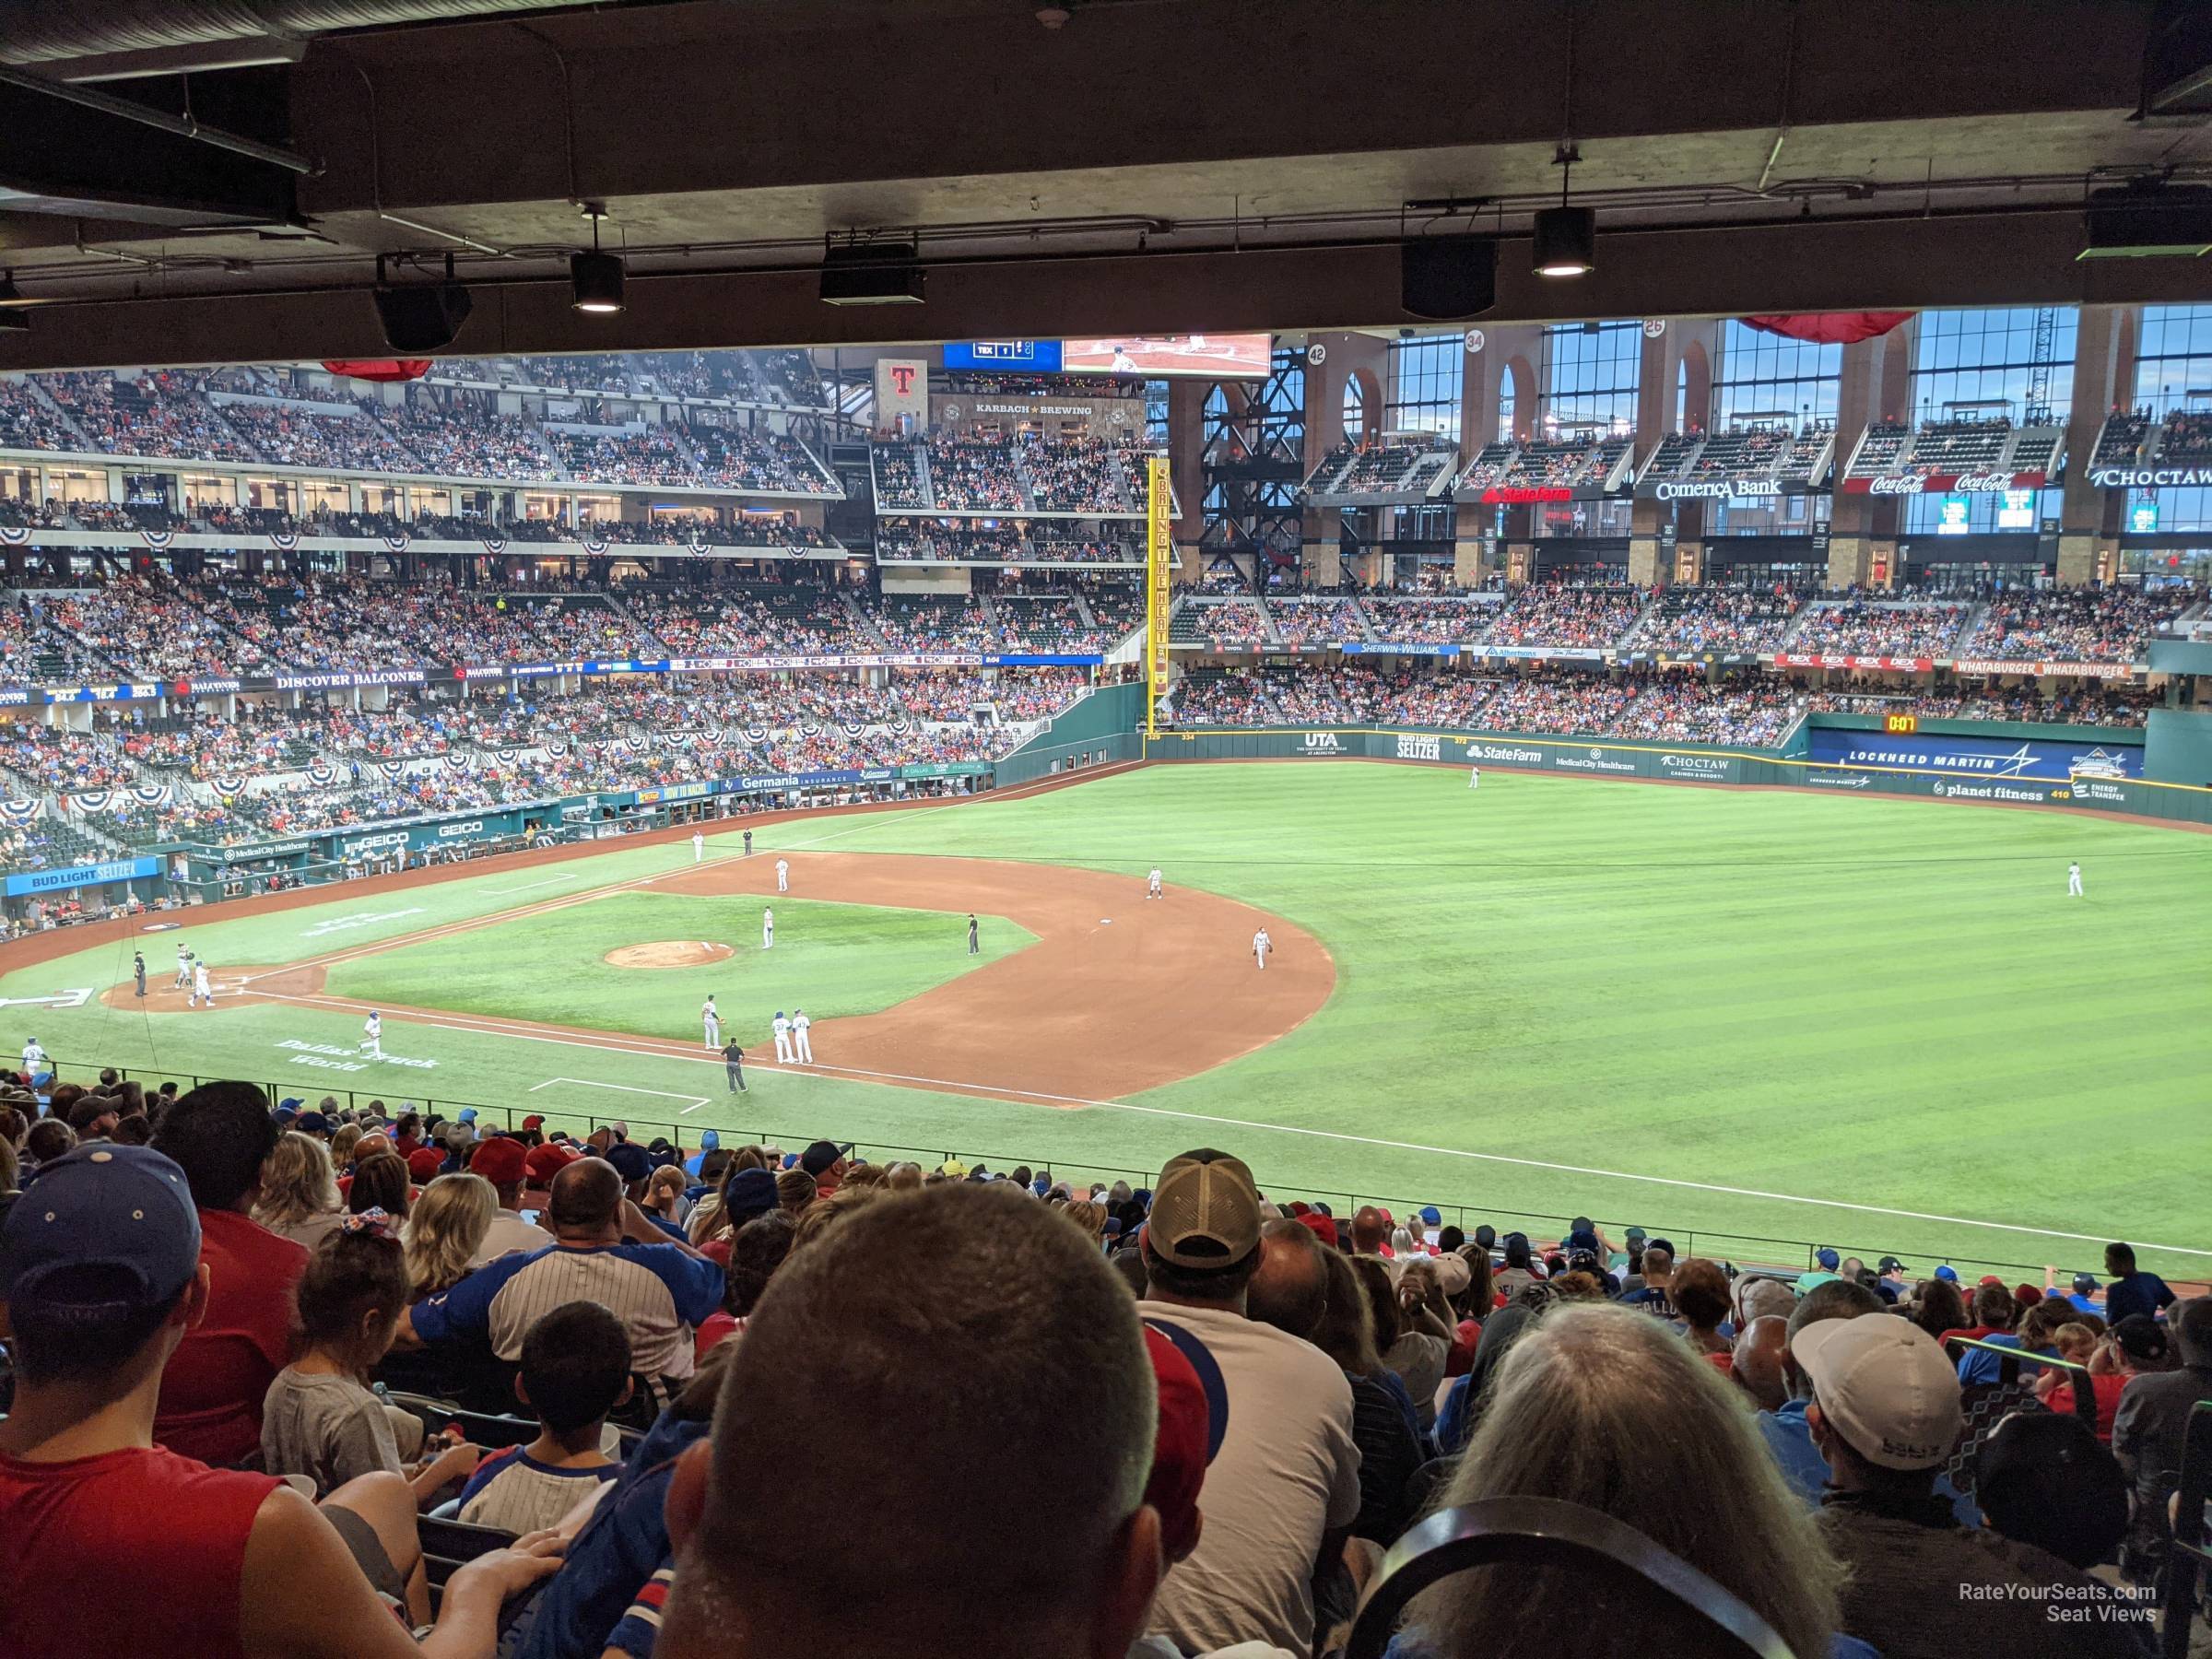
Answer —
1463 1214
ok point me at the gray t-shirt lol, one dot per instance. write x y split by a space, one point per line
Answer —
329 1428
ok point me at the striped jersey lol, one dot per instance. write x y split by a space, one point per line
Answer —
514 1491
656 1290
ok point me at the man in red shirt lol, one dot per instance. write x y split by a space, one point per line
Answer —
220 1134
100 1277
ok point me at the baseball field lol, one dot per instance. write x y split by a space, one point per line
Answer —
1730 1016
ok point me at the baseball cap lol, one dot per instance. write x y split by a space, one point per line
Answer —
1431 1215
2142 1338
424 1163
1948 1274
2085 1284
1206 1211
468 1115
1452 1274
751 1193
500 1161
1179 1446
534 1121
1321 1227
819 1157
1892 1264
1884 1387
951 1166
1830 1260
2041 1477
709 1140
632 1161
1486 1235
1636 1235
2027 1295
289 1103
102 1228
313 1123
542 1164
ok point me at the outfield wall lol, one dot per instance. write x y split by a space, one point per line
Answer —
1952 774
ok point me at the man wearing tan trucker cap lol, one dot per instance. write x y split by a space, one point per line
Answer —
1283 1485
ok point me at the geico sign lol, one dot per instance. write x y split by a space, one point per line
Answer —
1895 487
2147 477
1714 489
474 826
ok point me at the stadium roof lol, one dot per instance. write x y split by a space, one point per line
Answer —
1145 165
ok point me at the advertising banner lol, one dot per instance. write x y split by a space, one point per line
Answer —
901 394
1976 757
1397 648
2014 665
1821 659
78 875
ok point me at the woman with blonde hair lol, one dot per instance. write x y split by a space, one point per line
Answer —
443 1230
299 1191
342 1145
1570 1418
903 1177
1089 1218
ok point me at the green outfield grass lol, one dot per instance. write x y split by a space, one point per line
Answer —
1725 1013
831 959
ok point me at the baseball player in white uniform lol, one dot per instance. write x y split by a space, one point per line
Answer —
783 874
184 969
1474 777
372 1034
712 1017
781 1027
202 992
2073 882
1152 884
1261 946
35 1058
802 1045
768 929
698 845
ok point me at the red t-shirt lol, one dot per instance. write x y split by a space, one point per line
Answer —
211 1394
138 1552
2107 1388
1971 1332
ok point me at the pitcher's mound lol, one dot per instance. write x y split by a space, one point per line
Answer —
668 953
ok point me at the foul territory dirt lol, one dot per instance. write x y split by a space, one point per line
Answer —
1120 993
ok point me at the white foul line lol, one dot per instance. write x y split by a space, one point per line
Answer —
666 1094
495 1028
532 885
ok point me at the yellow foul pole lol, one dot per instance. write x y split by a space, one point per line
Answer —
1158 581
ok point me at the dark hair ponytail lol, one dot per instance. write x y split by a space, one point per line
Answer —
354 1270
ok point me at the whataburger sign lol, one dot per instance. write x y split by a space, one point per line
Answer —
1988 483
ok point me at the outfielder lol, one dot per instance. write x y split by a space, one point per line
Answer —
698 845
768 929
2073 882
783 874
1474 777
372 1034
781 1027
1261 946
1152 884
202 992
712 1017
802 1045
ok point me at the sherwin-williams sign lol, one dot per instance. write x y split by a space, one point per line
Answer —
1976 757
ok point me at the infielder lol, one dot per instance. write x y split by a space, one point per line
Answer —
139 969
2073 882
1152 884
802 1045
202 992
768 929
973 948
698 845
783 874
781 1027
372 1034
184 969
1261 946
712 1017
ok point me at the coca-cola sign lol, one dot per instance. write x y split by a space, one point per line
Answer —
1982 483
1913 485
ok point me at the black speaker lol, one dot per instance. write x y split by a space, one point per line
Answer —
424 317
1446 276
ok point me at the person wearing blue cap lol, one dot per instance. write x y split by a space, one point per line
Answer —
709 1140
1948 1274
100 1271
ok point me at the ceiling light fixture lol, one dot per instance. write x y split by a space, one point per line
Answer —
595 278
1566 242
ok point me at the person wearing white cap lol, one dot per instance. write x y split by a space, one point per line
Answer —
1885 1415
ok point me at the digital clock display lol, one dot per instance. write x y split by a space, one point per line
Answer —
1900 725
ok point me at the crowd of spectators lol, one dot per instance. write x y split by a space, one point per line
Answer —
1072 475
1425 622
1881 627
28 421
1725 620
2074 625
297 435
160 414
1565 614
2188 439
1201 1413
2099 702
1302 618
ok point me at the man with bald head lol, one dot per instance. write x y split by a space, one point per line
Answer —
1757 1365
605 1251
1291 1288
955 1339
